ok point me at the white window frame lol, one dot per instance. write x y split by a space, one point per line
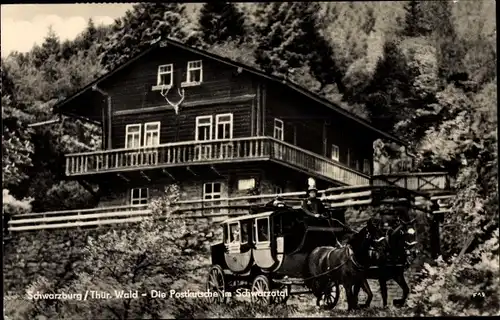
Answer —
250 180
279 127
335 152
212 193
157 130
127 134
160 73
230 235
140 196
204 125
366 166
190 67
223 122
257 230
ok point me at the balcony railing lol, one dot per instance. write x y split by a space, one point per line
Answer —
418 181
210 152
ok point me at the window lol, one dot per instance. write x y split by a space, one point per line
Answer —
203 128
234 232
224 126
262 226
366 166
335 153
211 191
278 129
133 136
244 231
165 75
277 190
358 165
194 72
246 184
139 196
151 134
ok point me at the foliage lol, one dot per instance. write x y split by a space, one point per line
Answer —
221 21
456 289
145 24
144 258
12 206
289 38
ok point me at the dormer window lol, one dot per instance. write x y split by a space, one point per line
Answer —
165 75
194 74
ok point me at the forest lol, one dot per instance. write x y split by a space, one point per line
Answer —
422 70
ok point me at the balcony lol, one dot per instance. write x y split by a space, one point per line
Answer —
212 152
433 182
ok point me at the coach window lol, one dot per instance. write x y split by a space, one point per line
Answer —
245 225
262 229
234 232
226 234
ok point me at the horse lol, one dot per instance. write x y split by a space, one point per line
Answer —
345 265
390 265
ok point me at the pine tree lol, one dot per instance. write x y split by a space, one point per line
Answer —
290 39
416 23
145 24
221 21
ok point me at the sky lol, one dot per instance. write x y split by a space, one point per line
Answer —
23 25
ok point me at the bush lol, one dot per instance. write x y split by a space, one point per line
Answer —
457 288
148 256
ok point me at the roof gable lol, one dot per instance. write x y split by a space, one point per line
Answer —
273 78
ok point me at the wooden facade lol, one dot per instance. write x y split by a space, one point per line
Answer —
234 127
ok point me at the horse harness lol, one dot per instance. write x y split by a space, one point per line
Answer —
350 257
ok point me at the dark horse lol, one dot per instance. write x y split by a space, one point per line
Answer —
346 265
390 263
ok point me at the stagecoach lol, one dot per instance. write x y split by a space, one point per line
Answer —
266 251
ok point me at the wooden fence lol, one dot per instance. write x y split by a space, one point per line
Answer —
193 209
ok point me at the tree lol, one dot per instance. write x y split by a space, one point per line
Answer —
221 21
16 145
389 93
156 254
416 23
143 26
290 39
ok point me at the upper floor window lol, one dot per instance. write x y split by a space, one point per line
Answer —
224 126
165 75
335 153
366 166
203 128
194 72
139 196
151 134
279 129
132 135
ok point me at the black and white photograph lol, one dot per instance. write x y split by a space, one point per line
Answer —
193 160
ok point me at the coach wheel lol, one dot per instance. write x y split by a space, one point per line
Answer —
261 290
216 284
331 296
282 294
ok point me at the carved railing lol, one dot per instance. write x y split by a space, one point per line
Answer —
210 152
420 181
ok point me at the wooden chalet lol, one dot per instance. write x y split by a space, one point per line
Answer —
219 129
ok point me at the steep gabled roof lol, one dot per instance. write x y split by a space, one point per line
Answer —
273 78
